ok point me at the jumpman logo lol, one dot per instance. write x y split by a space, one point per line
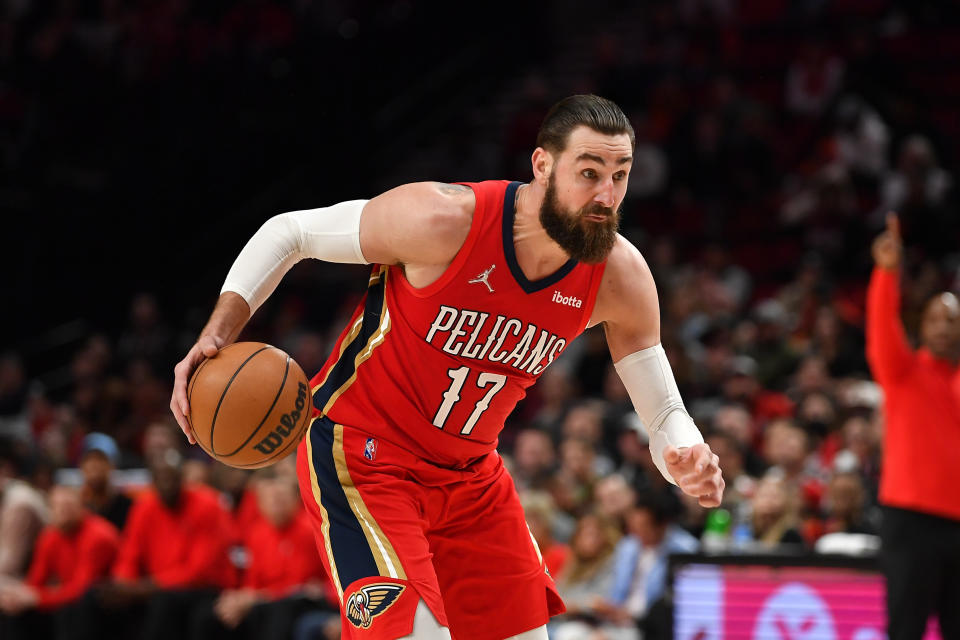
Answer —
483 278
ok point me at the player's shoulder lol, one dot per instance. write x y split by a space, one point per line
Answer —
626 263
443 204
627 282
419 222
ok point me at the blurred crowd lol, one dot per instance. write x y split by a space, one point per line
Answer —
772 138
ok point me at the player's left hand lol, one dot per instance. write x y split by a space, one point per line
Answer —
697 472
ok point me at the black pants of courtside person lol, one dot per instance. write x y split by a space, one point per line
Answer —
921 564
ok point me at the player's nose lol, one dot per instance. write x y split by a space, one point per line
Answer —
605 195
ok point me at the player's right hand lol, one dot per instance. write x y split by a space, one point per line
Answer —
206 347
888 247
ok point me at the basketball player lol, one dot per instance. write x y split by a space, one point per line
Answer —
476 288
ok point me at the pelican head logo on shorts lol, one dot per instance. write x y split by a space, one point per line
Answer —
370 449
484 278
288 423
370 601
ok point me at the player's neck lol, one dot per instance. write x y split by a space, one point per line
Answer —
537 254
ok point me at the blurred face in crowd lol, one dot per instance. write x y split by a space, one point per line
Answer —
736 422
845 496
157 439
539 527
168 477
817 414
731 460
770 502
614 497
586 185
785 445
533 451
858 437
66 508
589 540
278 501
96 468
812 375
633 449
642 524
584 423
577 458
940 326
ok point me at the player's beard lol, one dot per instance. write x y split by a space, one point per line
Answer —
585 240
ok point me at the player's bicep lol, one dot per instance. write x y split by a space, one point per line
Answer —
419 223
627 303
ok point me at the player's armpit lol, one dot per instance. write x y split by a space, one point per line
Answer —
422 223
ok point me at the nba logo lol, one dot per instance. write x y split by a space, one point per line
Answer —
370 451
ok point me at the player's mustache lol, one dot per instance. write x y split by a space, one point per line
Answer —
597 210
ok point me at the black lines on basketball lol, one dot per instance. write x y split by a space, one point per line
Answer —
213 423
250 405
283 381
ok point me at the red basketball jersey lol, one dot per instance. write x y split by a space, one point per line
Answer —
437 370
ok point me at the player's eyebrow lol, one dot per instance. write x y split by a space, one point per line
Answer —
599 160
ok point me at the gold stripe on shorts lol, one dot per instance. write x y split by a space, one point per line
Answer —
388 563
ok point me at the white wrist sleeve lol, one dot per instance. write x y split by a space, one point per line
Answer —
649 380
330 233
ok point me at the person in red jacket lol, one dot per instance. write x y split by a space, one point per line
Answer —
173 559
72 553
284 579
921 452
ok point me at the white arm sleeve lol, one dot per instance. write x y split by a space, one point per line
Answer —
329 233
649 380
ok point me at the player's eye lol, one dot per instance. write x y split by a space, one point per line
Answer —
589 174
620 175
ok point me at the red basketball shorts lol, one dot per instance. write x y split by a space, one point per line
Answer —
392 529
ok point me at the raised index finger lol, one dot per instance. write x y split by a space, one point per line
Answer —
893 224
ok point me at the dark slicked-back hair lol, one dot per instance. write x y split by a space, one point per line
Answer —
600 114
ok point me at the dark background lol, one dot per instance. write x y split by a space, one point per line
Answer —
143 141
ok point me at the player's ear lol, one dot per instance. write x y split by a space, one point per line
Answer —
542 161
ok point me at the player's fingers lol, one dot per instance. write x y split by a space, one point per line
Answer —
714 497
893 224
671 455
711 500
708 464
178 401
209 345
700 483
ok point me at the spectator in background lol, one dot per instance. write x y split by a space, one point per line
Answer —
23 513
786 446
555 389
921 453
614 499
735 421
775 512
172 560
572 486
588 575
533 459
14 421
640 561
542 518
740 485
97 462
845 505
239 495
584 422
285 577
74 552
